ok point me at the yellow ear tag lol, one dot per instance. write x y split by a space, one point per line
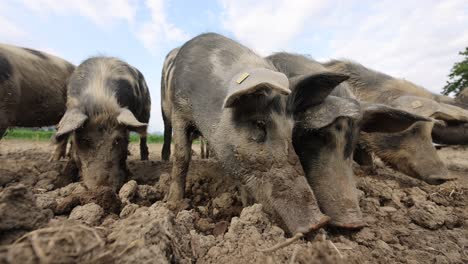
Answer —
242 77
416 104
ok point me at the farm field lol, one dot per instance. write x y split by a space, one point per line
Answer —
45 217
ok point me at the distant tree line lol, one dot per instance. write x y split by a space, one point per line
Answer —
458 77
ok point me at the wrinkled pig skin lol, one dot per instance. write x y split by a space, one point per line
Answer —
238 102
325 137
107 98
377 87
32 89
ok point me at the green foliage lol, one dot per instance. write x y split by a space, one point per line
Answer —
41 135
458 78
150 139
28 134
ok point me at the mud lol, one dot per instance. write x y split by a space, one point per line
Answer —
46 218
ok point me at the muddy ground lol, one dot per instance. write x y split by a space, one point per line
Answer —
44 218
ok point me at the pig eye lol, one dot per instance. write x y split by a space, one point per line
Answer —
261 132
118 141
339 127
261 125
84 142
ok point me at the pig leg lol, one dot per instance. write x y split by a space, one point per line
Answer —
3 124
2 131
60 149
143 148
69 154
363 157
202 148
207 151
181 159
166 149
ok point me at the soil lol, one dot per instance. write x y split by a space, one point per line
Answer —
47 218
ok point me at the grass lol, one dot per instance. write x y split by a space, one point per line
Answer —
41 135
28 134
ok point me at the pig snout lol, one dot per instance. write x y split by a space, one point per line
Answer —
289 197
103 174
439 178
337 197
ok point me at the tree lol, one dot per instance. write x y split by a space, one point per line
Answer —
458 77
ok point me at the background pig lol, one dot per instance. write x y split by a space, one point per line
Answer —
326 134
166 109
462 98
411 151
377 87
235 100
166 105
107 98
32 89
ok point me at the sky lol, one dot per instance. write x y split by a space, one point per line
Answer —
411 39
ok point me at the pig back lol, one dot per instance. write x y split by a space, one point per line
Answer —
203 68
97 80
38 81
295 65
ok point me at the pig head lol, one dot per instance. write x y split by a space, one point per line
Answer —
100 144
325 136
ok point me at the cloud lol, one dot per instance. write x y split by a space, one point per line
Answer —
415 41
159 31
408 39
102 12
268 25
153 33
9 30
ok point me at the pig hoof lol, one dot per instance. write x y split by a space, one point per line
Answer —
54 158
322 222
356 225
175 195
439 179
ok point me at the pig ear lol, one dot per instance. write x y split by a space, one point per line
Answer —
385 119
72 120
255 84
431 108
310 90
127 118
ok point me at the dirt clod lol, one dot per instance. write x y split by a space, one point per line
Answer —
90 214
18 211
408 221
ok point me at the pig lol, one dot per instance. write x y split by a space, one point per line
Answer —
166 105
166 109
204 149
410 151
239 103
461 99
378 87
32 89
325 137
107 98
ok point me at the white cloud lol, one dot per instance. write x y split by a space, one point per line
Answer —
14 33
102 12
415 40
153 33
9 30
159 30
267 25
